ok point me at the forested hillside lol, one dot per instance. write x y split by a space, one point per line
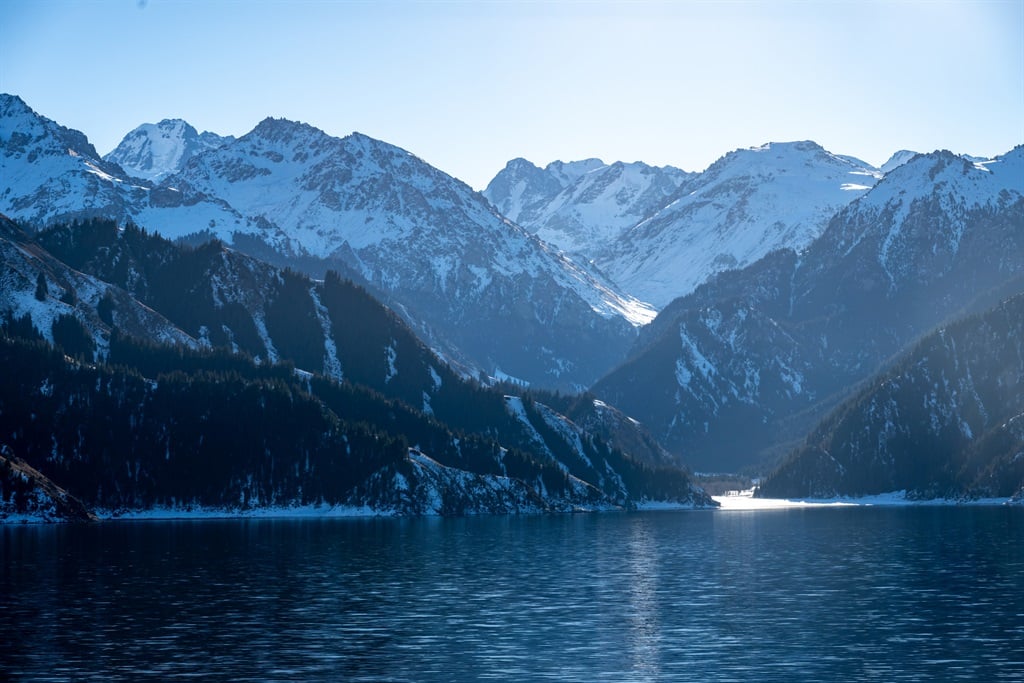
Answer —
946 421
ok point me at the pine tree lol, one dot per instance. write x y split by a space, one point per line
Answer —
42 289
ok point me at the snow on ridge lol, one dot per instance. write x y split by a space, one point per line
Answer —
578 206
745 205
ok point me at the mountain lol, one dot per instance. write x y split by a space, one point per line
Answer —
897 159
946 421
580 206
156 150
746 204
480 289
740 370
50 171
444 445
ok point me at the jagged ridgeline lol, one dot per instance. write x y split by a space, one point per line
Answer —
279 391
946 421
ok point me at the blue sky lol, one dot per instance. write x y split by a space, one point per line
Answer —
469 85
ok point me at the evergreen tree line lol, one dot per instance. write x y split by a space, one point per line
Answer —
170 426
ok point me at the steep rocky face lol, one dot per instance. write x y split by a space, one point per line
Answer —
522 190
945 421
581 206
156 150
746 364
748 203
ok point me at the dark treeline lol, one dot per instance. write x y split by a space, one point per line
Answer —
212 430
118 440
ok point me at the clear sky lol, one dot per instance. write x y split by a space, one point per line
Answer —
469 85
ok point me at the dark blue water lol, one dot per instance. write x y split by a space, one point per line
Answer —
906 594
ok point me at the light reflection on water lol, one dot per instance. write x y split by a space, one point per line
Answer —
905 594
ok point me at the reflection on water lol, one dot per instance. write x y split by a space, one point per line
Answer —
645 633
919 594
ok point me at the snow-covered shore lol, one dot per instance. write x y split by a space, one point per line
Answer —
744 500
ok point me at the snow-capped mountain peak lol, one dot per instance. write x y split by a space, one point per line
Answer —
942 186
50 171
22 130
156 150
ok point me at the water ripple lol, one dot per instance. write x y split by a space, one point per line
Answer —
800 595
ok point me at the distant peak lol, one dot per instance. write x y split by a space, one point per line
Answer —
520 165
173 124
898 159
568 172
283 129
176 127
12 105
588 164
806 146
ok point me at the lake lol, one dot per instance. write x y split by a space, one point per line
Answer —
846 594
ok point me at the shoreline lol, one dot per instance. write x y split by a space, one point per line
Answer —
741 502
745 501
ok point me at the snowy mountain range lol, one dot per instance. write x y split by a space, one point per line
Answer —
51 172
480 289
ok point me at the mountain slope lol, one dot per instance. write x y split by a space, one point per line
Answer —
580 206
746 204
37 287
746 364
156 150
945 421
